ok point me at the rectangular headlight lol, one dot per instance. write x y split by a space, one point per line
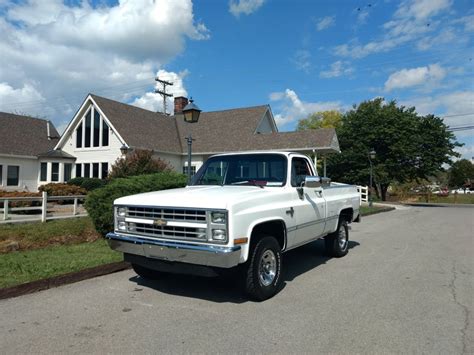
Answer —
121 211
218 217
122 225
219 234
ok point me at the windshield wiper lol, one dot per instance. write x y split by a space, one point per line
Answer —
258 183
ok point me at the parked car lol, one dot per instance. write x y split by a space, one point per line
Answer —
461 191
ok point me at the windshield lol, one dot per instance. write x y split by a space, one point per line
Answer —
246 169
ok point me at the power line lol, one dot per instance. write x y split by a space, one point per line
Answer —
459 115
163 92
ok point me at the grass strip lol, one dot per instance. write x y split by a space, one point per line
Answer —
26 266
367 211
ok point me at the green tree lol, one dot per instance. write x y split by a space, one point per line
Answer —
407 146
138 162
324 119
461 173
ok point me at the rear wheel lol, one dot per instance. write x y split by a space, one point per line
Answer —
144 272
263 273
337 243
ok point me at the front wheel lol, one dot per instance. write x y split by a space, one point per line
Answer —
263 274
337 243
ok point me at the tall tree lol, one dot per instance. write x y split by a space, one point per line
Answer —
461 173
323 119
407 146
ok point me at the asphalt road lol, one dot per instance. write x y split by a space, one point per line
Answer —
406 286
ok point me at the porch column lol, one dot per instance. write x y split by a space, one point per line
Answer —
324 165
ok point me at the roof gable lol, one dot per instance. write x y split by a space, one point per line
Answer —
24 135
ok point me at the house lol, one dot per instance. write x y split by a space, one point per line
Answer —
101 127
27 157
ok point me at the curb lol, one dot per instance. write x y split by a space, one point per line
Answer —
428 204
60 280
381 210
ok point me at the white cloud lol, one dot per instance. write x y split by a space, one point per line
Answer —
325 22
413 20
422 9
338 68
154 102
290 108
302 60
245 7
467 21
64 52
25 94
406 78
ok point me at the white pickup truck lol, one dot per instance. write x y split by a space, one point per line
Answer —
241 210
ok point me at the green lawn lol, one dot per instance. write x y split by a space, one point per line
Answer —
40 235
366 210
25 266
460 198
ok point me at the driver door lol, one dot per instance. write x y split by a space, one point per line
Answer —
310 208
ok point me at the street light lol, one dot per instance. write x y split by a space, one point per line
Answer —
191 115
371 156
124 149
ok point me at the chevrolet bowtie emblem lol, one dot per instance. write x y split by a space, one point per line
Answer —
160 222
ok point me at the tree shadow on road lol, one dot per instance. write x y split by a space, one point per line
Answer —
228 289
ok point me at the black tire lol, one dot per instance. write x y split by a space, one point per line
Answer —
145 273
263 272
337 243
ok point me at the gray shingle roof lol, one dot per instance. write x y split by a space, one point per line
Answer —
23 135
139 127
219 131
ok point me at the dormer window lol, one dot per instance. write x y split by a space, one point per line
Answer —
92 131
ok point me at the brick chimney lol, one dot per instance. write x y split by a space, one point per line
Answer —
180 102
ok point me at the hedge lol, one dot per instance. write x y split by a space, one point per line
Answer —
60 189
87 183
99 203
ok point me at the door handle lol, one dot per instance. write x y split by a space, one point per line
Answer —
319 193
291 212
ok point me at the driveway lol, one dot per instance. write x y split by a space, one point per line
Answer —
405 286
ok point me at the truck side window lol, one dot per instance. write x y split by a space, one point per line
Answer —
299 169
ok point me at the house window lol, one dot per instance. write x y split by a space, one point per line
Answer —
79 136
67 172
105 170
44 172
95 170
78 170
96 128
105 134
13 175
87 133
87 170
1 175
54 171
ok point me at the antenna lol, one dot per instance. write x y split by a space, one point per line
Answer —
163 92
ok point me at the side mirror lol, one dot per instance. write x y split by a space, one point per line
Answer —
316 181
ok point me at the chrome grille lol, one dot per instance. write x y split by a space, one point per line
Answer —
170 232
167 214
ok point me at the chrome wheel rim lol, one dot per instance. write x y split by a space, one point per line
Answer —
342 238
267 268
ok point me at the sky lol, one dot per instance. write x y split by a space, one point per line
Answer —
299 56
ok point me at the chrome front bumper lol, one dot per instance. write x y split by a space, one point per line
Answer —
218 256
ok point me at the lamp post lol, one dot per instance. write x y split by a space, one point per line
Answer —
191 115
371 156
124 150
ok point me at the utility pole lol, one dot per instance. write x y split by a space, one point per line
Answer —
163 92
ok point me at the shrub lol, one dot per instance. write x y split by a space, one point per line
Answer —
99 203
60 189
138 162
20 194
87 183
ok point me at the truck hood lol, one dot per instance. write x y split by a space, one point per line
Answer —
218 197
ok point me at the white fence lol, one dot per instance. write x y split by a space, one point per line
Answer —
7 212
364 193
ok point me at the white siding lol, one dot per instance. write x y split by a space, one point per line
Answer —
28 178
